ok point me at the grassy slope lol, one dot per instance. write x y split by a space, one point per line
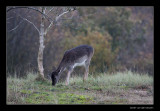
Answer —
119 88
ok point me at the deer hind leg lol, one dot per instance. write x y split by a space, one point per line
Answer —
68 76
86 70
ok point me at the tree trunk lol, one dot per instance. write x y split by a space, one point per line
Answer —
41 47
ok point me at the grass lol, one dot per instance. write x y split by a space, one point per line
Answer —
119 88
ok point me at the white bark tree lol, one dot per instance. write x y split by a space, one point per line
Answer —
42 31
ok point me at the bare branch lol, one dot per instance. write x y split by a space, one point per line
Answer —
48 28
29 22
45 10
32 8
50 10
57 18
16 26
10 18
32 24
67 18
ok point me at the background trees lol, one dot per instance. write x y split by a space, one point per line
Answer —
122 38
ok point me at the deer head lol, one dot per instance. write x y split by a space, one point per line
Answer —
55 77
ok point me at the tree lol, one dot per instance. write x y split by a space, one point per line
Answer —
42 31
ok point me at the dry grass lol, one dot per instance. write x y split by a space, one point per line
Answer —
118 88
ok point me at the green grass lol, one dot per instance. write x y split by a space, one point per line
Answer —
118 88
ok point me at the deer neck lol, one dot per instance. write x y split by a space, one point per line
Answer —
60 68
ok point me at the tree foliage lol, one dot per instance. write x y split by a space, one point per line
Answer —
121 36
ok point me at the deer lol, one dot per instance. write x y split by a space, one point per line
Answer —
78 56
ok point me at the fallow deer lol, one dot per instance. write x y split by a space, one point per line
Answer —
78 56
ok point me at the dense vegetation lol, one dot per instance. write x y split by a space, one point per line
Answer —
121 36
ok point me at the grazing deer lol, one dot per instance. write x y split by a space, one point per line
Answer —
78 56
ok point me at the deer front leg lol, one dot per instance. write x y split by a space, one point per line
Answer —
85 76
68 76
87 63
